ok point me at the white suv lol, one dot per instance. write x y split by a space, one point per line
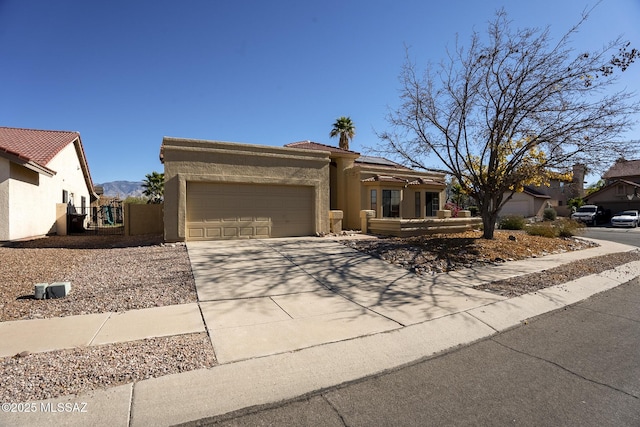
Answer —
589 214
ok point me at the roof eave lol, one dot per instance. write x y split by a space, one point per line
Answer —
85 168
27 163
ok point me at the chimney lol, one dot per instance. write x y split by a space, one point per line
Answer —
579 171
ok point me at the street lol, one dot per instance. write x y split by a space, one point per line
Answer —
579 366
628 236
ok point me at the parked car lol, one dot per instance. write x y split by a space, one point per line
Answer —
590 214
626 219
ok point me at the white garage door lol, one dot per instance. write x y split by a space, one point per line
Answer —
232 211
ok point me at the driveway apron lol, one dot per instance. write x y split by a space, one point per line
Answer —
262 297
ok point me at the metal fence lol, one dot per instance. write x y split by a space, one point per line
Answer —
96 220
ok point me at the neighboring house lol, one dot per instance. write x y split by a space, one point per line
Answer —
38 170
529 203
533 200
222 190
622 187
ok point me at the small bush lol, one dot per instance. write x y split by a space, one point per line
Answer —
543 229
474 210
511 222
560 228
549 214
569 227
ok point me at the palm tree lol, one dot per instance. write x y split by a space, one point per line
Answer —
154 187
345 128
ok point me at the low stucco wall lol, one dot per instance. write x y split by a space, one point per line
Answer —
143 219
61 219
189 160
416 227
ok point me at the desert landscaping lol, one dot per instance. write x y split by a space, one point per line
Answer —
117 273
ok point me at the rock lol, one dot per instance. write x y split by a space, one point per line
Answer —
512 238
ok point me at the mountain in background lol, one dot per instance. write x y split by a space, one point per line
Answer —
122 189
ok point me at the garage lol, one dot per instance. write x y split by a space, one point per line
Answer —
517 207
239 210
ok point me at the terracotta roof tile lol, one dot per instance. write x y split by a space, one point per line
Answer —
39 146
421 181
385 178
388 178
308 145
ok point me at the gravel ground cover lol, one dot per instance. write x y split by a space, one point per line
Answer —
63 372
555 276
440 253
107 274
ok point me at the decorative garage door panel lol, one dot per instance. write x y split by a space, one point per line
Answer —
233 211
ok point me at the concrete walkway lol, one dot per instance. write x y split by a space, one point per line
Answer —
291 316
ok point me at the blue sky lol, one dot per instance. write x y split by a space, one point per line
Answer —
126 73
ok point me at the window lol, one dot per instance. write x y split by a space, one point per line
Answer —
374 201
83 204
391 203
432 202
418 204
65 196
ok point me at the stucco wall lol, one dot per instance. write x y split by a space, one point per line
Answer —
69 176
188 160
143 219
33 197
4 199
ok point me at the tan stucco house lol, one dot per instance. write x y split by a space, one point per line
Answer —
225 190
533 200
39 170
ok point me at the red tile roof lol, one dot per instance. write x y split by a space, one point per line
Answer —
386 178
39 146
308 145
416 181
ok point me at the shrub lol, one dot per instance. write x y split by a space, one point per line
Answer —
474 210
568 227
543 229
549 214
561 228
511 222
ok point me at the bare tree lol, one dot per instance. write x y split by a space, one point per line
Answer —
511 110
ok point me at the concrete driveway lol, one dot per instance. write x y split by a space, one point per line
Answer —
262 297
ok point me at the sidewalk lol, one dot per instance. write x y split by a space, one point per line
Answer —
322 315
